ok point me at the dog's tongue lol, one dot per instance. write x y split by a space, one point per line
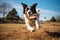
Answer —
31 17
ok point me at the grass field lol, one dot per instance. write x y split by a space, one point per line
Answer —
48 31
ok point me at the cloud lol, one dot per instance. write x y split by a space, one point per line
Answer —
19 10
17 6
47 13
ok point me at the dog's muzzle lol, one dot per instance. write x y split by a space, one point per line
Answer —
34 16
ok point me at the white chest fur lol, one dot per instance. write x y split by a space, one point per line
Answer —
30 23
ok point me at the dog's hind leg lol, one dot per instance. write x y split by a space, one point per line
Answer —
37 24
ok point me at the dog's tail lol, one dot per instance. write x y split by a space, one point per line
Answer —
38 11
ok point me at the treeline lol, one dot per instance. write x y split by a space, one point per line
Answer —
12 17
9 14
54 19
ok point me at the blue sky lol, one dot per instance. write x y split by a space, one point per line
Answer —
48 8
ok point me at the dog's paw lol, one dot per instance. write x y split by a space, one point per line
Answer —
31 29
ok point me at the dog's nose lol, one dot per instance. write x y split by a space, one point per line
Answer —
29 12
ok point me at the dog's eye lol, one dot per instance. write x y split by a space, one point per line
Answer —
27 8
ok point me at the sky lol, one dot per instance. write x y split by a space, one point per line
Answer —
48 8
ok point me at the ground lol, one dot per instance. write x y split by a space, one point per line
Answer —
12 31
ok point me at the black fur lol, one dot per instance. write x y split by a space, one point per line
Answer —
32 8
24 6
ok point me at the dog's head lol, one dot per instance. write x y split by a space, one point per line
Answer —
31 11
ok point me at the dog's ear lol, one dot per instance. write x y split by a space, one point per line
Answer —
33 8
34 5
24 5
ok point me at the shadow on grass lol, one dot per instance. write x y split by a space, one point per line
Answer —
54 34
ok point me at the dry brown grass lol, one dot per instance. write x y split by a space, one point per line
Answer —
48 31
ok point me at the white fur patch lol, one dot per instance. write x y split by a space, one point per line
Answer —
38 11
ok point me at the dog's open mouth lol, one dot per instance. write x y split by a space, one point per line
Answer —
33 17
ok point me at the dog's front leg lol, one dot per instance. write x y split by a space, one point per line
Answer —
29 27
37 24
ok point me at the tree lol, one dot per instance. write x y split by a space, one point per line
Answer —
4 8
44 17
57 18
53 19
12 15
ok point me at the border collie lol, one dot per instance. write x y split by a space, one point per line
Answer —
31 15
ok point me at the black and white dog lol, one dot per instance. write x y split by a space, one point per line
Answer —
31 15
